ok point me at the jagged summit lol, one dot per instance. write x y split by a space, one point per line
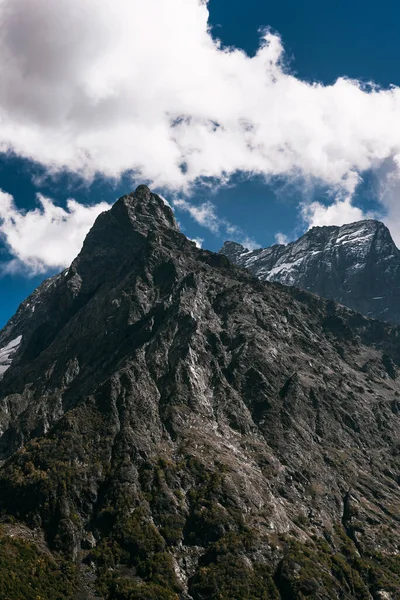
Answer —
139 212
357 264
130 219
360 232
136 225
229 245
145 210
372 224
231 249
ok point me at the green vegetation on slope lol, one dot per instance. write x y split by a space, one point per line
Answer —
28 574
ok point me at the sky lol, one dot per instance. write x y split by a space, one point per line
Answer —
255 120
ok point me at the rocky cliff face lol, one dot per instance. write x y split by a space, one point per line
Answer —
173 428
357 265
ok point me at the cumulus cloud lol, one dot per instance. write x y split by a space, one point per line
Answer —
281 238
338 213
116 85
198 242
205 214
47 237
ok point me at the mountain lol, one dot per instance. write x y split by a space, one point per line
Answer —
357 265
173 428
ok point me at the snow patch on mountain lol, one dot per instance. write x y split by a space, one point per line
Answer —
7 353
285 267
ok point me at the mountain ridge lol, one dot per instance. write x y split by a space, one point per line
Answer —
173 428
356 264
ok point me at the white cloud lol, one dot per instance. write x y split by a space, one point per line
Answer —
112 85
198 242
339 212
205 215
48 236
281 238
246 241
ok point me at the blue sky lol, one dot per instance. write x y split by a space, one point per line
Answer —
322 42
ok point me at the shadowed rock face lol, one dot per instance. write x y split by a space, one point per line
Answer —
180 429
357 265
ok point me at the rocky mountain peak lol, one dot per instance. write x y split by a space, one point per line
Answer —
132 216
120 238
145 211
356 264
231 249
119 233
229 245
361 233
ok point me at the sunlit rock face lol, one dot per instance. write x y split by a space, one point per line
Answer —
181 430
357 265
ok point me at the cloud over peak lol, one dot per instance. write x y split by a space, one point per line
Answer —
116 85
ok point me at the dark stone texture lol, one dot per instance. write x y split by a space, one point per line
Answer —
182 430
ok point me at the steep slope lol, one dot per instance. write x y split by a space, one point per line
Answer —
177 429
357 265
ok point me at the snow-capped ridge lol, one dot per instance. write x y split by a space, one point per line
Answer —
351 263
